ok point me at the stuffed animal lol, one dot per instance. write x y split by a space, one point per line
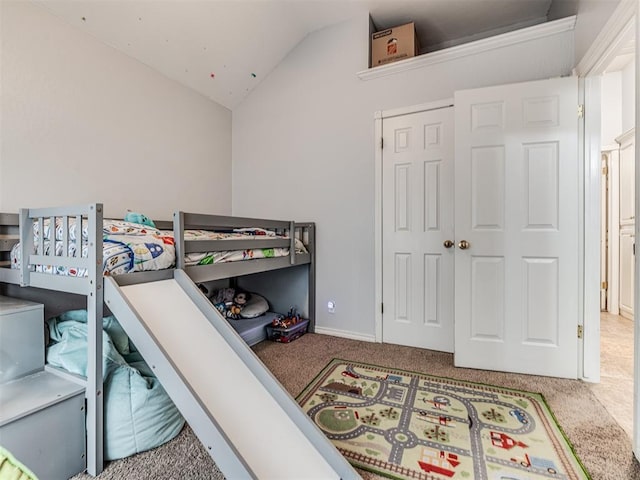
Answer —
234 308
135 217
230 302
241 298
224 295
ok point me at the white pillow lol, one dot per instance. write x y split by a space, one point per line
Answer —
255 307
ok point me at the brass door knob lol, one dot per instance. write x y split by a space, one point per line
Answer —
463 245
448 244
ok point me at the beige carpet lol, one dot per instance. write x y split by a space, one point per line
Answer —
599 441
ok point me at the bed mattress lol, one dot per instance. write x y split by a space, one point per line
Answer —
253 330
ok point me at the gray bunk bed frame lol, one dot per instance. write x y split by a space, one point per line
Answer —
18 227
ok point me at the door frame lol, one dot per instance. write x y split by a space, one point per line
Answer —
611 39
379 117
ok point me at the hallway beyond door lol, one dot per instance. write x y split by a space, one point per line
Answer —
615 389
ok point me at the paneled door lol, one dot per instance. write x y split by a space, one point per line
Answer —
627 221
517 230
417 223
604 231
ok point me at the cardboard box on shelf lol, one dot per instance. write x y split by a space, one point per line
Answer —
393 44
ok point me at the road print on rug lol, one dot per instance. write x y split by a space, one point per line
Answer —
409 425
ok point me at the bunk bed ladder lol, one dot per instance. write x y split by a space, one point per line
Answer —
91 286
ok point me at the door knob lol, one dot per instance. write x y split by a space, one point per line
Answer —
448 244
463 245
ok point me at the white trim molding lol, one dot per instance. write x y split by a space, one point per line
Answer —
422 107
626 137
589 243
345 334
378 225
472 48
616 32
636 294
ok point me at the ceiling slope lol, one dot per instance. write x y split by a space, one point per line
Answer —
224 48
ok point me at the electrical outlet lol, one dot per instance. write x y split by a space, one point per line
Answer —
331 306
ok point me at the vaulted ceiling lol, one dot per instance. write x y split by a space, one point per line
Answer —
224 48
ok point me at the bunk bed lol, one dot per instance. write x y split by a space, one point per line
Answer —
294 243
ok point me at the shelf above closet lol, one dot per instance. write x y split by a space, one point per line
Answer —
471 48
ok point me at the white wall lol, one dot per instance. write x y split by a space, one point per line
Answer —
611 101
82 122
303 146
628 97
617 103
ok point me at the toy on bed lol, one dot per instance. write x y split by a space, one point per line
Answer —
253 315
229 302
235 304
135 217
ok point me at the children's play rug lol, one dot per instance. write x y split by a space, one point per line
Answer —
409 425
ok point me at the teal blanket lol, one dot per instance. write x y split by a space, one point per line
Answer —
138 413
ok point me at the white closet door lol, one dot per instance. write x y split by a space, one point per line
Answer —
417 218
517 206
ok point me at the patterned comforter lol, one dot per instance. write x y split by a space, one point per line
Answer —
127 247
207 258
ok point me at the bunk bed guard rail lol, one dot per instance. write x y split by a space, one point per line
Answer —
183 221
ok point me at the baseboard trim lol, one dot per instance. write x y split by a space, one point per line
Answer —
345 334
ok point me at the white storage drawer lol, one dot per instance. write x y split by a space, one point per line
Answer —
21 338
42 423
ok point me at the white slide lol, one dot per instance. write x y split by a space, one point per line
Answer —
250 425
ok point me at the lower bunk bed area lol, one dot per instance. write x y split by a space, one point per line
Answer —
254 317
